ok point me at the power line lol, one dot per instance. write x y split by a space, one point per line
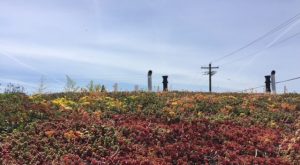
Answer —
250 55
278 82
292 79
30 67
258 52
251 88
276 29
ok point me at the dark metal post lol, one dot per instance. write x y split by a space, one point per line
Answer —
150 81
165 83
268 84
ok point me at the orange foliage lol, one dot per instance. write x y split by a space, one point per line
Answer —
288 107
49 133
73 135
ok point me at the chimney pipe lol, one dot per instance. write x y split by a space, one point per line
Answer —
273 81
268 84
150 80
165 83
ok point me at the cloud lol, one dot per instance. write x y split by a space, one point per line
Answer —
120 41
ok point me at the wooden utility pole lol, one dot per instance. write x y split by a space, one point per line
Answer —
210 73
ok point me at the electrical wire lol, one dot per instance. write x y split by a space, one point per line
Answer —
292 79
251 89
258 52
278 82
30 67
276 29
276 44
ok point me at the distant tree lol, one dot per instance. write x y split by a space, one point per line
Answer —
13 88
97 88
91 87
70 85
103 89
42 87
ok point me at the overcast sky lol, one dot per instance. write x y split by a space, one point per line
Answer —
112 41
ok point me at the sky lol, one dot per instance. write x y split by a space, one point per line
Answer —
118 41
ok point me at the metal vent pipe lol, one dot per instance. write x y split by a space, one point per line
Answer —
165 83
150 80
268 84
273 81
